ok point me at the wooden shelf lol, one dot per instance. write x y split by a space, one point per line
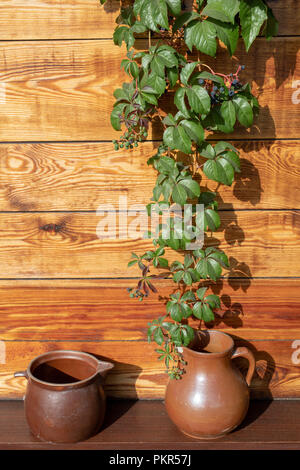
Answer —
145 425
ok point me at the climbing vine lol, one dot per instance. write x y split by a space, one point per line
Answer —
205 100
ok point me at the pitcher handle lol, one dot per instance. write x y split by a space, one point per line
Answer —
21 373
245 352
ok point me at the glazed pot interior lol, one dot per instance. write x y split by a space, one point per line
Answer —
63 369
211 341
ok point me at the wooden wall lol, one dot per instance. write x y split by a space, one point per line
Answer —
60 286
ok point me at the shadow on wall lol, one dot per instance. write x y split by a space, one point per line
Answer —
131 371
260 384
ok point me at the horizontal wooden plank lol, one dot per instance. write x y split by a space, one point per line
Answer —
51 19
269 425
92 310
258 243
62 90
80 176
138 373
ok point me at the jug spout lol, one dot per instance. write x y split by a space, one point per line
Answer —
104 367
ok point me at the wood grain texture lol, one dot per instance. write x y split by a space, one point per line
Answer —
93 310
42 245
58 19
80 176
138 374
268 425
62 90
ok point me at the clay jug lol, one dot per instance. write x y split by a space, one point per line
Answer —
212 397
64 400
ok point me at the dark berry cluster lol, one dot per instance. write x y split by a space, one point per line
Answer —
131 138
218 92
136 293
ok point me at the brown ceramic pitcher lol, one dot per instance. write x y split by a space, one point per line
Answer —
212 398
64 399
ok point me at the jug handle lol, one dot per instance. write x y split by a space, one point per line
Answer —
245 352
21 373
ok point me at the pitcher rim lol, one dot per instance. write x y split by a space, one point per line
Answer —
212 355
64 386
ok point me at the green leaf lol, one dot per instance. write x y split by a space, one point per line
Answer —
187 279
134 69
185 18
221 146
157 190
272 25
227 112
211 220
233 159
150 98
175 6
213 301
186 310
209 76
179 194
157 83
228 34
223 10
131 263
187 334
169 120
221 258
243 110
172 76
199 99
214 171
191 186
194 130
253 13
194 273
201 267
175 312
206 150
168 136
207 198
119 34
146 10
178 275
197 310
188 296
182 140
202 35
176 138
115 116
207 313
188 260
138 27
158 336
166 165
187 71
168 57
180 101
163 262
201 292
160 12
214 269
